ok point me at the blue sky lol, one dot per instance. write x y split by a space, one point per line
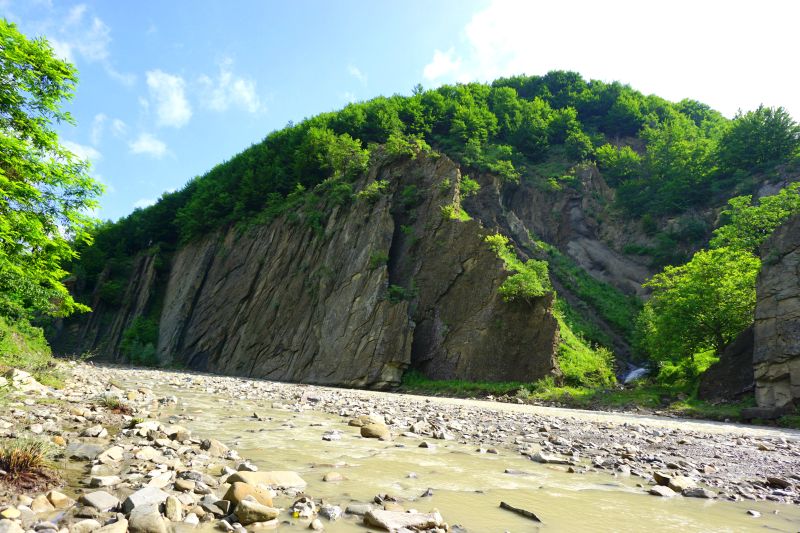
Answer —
169 89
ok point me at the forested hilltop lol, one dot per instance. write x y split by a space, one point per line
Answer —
590 188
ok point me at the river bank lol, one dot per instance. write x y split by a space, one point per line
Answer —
166 424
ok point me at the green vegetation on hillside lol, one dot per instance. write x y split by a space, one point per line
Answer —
662 157
698 308
24 346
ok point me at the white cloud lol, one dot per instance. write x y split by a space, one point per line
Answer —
169 99
118 127
81 36
95 40
357 74
718 56
141 203
98 125
227 89
75 15
149 145
443 64
349 97
81 151
62 49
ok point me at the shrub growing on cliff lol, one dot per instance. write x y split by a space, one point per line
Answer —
530 279
469 186
400 145
373 191
455 212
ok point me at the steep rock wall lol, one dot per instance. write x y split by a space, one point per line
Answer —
391 281
575 220
101 331
776 354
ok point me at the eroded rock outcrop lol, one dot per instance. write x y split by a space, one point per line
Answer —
776 355
391 280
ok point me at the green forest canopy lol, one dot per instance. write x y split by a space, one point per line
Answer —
662 157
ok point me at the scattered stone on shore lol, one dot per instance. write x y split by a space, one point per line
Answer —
167 476
698 492
277 479
249 511
100 500
663 491
681 483
542 457
376 431
399 521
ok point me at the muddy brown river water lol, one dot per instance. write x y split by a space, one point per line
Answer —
467 485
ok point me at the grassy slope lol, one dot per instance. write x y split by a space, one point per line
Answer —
24 346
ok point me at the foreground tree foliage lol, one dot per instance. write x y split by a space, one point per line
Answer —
45 191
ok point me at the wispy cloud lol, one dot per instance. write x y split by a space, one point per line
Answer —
82 151
98 126
141 203
81 36
118 127
168 95
148 144
227 89
357 74
349 97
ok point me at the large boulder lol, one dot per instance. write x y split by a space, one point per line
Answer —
238 491
250 511
145 496
400 521
278 479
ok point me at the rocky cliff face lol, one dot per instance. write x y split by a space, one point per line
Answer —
776 354
391 281
574 220
100 332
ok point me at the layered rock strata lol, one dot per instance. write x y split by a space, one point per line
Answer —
776 355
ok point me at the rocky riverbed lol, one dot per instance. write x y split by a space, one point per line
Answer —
153 451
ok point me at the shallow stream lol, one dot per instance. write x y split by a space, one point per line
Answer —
467 486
